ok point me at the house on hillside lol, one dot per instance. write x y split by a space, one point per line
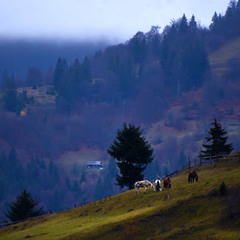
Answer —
94 164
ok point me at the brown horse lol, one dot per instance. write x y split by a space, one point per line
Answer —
192 175
167 182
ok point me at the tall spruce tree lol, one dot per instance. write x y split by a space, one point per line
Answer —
183 25
132 152
112 168
99 190
24 207
217 142
60 75
138 47
193 24
86 70
10 101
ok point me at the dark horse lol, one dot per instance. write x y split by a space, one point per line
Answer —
167 182
192 175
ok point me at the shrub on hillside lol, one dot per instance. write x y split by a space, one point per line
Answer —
223 189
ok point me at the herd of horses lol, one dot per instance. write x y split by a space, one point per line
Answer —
157 184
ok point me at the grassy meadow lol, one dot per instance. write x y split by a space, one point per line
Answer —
42 95
219 59
187 211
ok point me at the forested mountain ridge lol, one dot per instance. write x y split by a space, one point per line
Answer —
172 83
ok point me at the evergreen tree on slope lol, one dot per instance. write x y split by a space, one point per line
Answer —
217 142
132 152
24 207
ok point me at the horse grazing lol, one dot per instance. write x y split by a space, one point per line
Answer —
192 175
158 185
167 182
143 184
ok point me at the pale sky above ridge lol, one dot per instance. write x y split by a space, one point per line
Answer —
97 19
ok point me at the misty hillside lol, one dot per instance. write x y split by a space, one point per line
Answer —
172 84
19 56
202 209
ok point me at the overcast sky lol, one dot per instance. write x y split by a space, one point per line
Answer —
116 20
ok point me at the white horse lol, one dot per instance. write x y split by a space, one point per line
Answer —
143 184
158 185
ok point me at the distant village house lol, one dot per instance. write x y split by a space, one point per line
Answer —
95 164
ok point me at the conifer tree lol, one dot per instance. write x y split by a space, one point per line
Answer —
60 75
182 160
24 207
217 142
76 73
107 185
99 191
10 94
193 24
112 168
138 47
132 152
183 25
86 70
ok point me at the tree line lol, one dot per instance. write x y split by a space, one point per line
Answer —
177 56
165 64
179 51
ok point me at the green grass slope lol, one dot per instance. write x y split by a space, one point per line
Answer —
187 211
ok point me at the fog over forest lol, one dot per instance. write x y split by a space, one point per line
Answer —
18 56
